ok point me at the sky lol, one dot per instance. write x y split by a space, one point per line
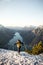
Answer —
21 12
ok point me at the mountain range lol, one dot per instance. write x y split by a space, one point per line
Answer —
31 35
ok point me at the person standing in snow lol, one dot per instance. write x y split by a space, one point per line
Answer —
19 44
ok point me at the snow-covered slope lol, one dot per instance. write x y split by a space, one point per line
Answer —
8 57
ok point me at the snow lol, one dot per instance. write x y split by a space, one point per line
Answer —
8 57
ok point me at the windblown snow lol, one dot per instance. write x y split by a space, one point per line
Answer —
8 57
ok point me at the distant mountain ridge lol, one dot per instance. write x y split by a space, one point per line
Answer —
31 35
22 28
39 35
5 36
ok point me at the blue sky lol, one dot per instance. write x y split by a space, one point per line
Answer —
21 12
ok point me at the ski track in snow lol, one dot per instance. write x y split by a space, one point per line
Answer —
8 57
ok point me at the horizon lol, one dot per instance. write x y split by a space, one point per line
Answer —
22 26
21 13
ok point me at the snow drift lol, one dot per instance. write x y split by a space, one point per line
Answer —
8 57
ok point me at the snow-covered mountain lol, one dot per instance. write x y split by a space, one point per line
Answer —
13 58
